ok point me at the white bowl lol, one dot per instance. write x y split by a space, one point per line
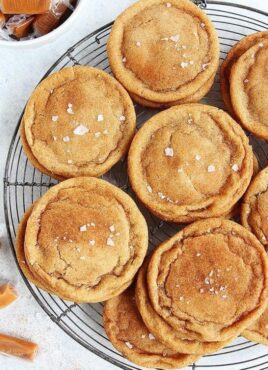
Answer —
44 40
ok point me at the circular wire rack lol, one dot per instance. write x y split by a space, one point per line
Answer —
23 184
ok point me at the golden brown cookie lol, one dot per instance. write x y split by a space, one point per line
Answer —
22 261
129 335
163 51
162 330
234 54
190 162
220 268
258 331
254 211
31 157
85 239
248 88
78 122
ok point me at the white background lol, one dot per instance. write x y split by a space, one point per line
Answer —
19 73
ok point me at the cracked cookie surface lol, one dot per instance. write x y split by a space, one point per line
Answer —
178 340
163 51
220 268
190 162
127 332
85 239
254 212
79 122
248 88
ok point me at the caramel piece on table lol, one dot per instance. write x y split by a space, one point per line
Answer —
7 295
45 23
21 28
25 6
17 347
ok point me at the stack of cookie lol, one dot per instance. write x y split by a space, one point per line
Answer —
197 292
164 53
244 83
64 239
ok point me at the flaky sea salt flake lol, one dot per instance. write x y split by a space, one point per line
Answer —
81 130
110 242
54 118
169 152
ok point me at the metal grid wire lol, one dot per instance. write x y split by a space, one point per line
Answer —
23 184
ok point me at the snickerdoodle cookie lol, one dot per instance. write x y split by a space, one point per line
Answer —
190 162
127 332
254 211
78 122
248 87
220 268
71 231
233 55
171 337
162 51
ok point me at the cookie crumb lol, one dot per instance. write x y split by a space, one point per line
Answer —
169 152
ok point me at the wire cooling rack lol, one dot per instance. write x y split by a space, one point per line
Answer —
23 184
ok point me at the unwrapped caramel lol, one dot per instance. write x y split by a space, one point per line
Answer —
17 347
7 295
25 6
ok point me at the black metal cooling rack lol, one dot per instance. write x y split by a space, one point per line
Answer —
23 184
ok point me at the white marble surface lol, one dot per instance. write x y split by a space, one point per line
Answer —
19 73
